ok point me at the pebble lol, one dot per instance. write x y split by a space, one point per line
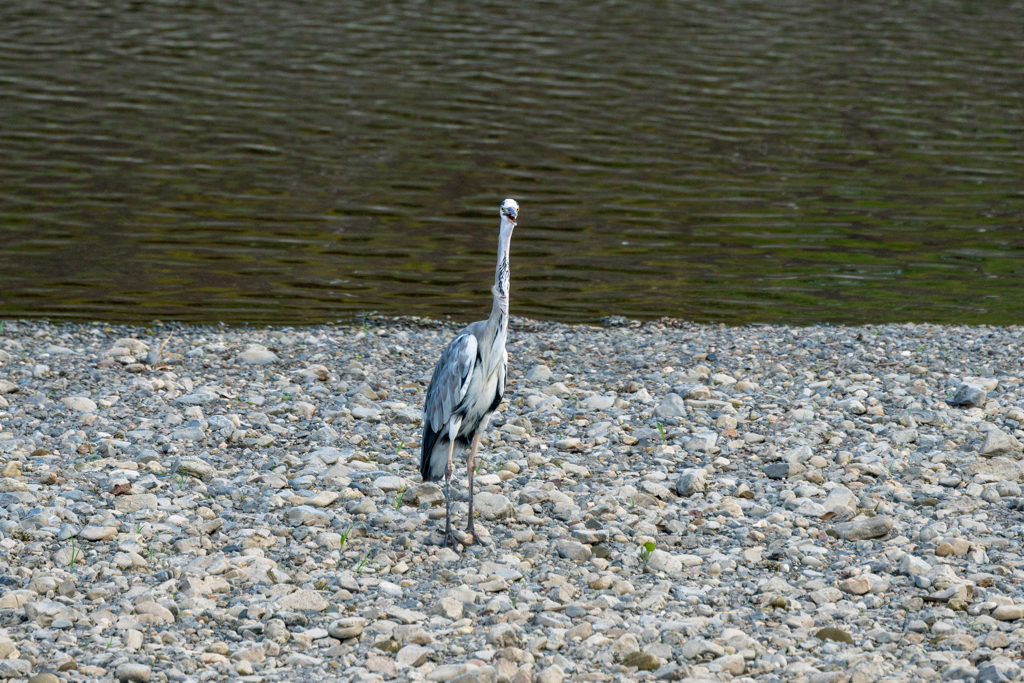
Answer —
863 529
131 671
663 500
998 442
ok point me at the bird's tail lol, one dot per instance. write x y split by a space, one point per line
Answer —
434 454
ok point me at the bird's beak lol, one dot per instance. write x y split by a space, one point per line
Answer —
511 214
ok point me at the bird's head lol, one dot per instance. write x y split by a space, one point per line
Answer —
510 210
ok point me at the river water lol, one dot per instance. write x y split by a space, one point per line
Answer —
298 161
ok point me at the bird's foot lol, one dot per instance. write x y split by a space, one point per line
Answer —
479 539
449 537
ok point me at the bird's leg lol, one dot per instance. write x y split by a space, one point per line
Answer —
448 470
470 529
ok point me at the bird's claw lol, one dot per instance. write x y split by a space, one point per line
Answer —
477 538
449 537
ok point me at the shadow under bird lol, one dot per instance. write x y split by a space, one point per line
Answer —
467 385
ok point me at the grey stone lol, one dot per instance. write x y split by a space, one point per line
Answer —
783 470
493 506
257 355
449 608
80 404
702 442
840 499
129 504
998 442
412 656
661 561
997 670
504 635
15 668
539 373
1008 612
911 565
198 398
196 468
699 648
672 406
573 550
303 601
903 436
852 406
863 529
598 402
968 395
132 671
552 674
189 434
307 515
590 536
325 434
427 492
1000 468
691 481
349 627
98 533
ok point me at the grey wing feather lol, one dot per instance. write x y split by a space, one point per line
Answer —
450 381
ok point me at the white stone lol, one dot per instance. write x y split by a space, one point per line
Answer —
493 506
911 565
840 499
702 442
692 480
598 402
79 404
672 406
998 442
257 355
661 561
539 373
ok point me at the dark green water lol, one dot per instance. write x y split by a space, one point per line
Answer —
297 161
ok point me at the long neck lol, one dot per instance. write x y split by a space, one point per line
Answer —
498 321
501 271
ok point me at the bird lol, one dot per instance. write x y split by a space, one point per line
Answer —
467 385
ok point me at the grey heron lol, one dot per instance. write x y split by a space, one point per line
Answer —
467 385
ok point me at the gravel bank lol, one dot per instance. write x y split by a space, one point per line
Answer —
664 501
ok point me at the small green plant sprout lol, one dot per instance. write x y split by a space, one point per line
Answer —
182 478
398 498
362 562
401 445
110 641
345 535
75 553
661 430
645 551
479 467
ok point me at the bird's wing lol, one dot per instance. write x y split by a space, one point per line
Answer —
502 373
451 380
